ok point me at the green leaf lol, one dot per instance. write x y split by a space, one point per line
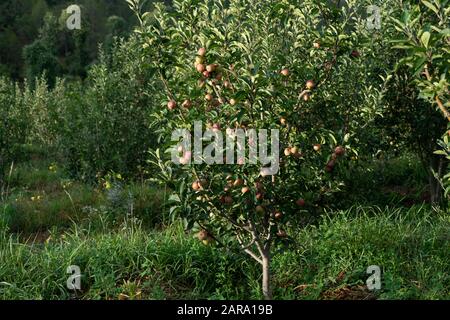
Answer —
174 198
430 6
346 137
418 65
425 38
445 32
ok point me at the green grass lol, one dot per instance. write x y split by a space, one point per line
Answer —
411 247
41 196
49 221
398 181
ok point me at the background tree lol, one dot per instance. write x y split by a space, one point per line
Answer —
22 20
424 35
40 56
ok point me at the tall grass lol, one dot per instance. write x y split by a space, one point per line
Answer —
410 246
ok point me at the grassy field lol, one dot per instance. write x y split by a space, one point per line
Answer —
126 249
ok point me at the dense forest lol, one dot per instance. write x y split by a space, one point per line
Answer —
34 37
225 149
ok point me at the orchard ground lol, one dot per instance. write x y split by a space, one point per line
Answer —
119 234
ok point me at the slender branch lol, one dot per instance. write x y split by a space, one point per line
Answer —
253 255
438 100
247 250
166 85
269 237
234 223
443 108
256 238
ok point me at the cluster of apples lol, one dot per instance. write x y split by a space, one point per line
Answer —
306 96
245 190
213 73
310 85
172 104
339 151
205 70
293 151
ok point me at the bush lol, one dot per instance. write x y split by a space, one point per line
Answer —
104 124
14 124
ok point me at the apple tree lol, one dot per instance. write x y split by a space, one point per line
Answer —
249 65
423 35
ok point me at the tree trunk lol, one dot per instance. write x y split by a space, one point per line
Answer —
267 291
437 166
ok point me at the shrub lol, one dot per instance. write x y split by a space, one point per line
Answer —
104 124
14 124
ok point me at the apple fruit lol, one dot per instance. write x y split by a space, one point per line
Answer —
294 150
287 152
198 60
171 105
245 190
200 68
300 202
211 68
201 52
238 183
227 84
339 151
187 104
355 54
285 72
310 84
306 97
228 200
317 147
331 164
196 186
203 235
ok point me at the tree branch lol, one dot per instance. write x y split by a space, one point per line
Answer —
443 108
247 250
